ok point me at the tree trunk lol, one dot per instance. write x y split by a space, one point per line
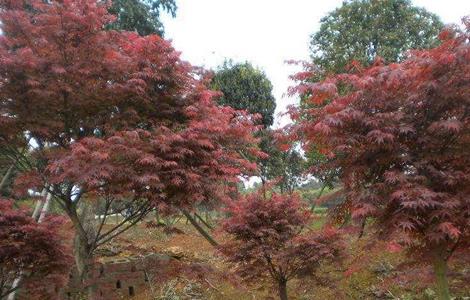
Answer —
45 208
85 231
363 227
203 222
196 225
313 204
440 272
5 177
81 252
15 285
83 262
282 289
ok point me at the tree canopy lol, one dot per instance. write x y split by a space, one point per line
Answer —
142 16
116 117
363 29
245 87
268 240
400 136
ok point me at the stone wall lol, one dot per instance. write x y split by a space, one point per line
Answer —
120 278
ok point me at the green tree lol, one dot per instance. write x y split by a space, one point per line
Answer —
245 87
142 16
285 167
363 29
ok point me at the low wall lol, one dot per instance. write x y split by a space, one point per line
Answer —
118 279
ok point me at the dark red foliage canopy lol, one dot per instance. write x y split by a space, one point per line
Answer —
268 238
116 119
34 250
184 167
113 112
400 136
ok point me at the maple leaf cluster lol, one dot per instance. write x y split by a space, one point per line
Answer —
34 251
400 136
267 238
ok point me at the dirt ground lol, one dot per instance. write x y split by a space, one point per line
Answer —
199 272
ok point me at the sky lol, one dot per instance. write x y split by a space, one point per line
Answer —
265 33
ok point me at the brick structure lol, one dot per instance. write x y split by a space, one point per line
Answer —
118 279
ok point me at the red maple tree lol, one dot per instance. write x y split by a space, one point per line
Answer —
33 251
399 135
117 120
269 239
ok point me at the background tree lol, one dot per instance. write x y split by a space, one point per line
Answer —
142 16
400 137
363 29
285 167
268 239
247 88
34 251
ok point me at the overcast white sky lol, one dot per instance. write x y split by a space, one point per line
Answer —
264 32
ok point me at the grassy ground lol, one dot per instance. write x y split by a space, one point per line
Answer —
370 272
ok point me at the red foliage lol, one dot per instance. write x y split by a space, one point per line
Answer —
400 136
34 249
181 167
116 117
268 238
119 108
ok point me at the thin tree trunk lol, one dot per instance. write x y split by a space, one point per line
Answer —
203 221
10 169
312 205
5 177
39 204
14 286
45 208
201 230
363 227
157 216
440 272
282 289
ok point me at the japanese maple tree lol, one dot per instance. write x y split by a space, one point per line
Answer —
117 119
34 251
400 136
268 239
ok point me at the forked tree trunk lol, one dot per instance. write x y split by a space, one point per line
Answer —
282 289
198 227
440 272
